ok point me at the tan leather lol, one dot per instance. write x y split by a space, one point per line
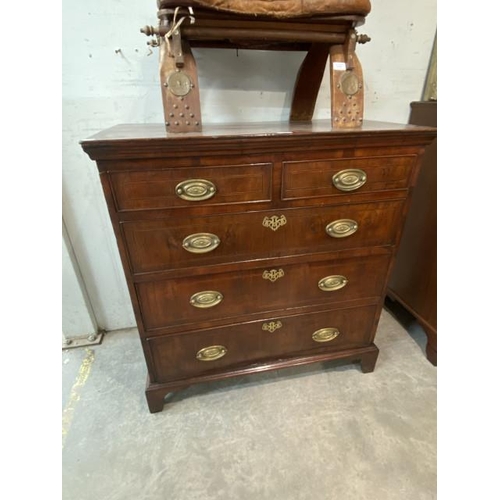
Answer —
279 8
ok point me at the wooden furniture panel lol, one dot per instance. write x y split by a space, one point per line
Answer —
184 187
283 221
175 356
413 281
338 177
160 244
187 301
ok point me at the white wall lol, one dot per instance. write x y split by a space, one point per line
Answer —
104 86
77 314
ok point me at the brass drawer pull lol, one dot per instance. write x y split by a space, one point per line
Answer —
349 179
206 299
195 190
273 274
211 353
272 326
332 283
325 334
341 228
200 242
274 222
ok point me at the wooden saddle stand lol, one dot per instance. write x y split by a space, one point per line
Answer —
323 28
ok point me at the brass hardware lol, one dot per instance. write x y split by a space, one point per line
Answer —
272 326
273 274
179 83
325 334
211 353
349 83
332 283
341 228
206 299
274 222
200 242
195 190
349 179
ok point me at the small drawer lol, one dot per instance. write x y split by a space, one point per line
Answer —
182 242
185 301
177 357
187 187
338 177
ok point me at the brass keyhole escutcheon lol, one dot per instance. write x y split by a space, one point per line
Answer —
272 326
273 274
274 222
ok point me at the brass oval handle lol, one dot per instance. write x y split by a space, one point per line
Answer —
341 228
195 190
206 299
274 222
349 179
332 283
272 326
211 353
200 242
325 334
273 274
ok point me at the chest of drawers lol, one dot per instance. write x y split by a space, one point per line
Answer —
256 247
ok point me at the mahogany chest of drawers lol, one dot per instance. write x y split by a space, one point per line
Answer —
256 247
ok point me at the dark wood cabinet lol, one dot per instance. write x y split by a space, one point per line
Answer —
413 281
255 247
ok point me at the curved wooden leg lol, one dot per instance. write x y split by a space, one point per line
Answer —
308 83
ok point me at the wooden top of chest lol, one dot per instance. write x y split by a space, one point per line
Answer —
150 140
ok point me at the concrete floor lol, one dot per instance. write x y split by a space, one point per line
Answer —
321 432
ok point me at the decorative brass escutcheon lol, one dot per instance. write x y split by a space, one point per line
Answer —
272 326
206 299
200 242
211 353
332 283
349 83
195 190
179 83
341 228
274 222
349 179
273 274
325 334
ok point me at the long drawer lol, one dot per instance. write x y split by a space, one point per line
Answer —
181 242
176 357
191 300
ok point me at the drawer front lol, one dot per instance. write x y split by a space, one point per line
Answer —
227 295
338 177
176 357
186 187
193 241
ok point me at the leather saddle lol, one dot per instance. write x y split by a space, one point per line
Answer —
277 8
325 29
